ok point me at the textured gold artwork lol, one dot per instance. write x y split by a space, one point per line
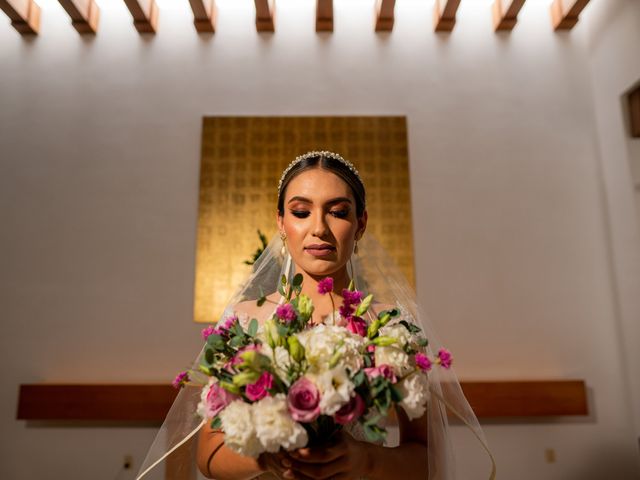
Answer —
242 160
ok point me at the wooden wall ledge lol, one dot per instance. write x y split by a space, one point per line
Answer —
150 403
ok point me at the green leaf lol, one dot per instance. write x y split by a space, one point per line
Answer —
423 342
208 356
297 280
359 378
410 326
216 423
281 290
367 361
236 341
396 396
261 301
283 280
253 327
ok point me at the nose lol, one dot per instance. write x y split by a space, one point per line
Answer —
320 227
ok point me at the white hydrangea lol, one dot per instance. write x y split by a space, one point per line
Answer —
336 389
323 341
395 357
281 360
397 331
239 431
274 426
415 394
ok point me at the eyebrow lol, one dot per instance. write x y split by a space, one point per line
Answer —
330 202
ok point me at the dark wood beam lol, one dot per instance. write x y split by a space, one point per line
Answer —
144 403
204 15
565 13
145 15
24 15
265 11
444 15
385 18
324 15
505 14
634 111
84 15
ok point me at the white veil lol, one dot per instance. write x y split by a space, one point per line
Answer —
373 272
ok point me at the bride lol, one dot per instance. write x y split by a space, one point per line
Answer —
321 216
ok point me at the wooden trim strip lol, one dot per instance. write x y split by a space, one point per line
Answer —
205 13
444 15
84 15
324 16
504 19
24 15
142 403
565 17
384 11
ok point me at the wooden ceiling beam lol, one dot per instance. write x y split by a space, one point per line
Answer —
84 15
24 15
265 10
565 13
385 17
324 15
145 15
204 15
444 15
505 14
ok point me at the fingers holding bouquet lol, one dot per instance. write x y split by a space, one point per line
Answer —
345 458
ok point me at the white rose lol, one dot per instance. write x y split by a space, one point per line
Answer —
202 408
239 432
274 426
395 357
415 394
397 331
336 389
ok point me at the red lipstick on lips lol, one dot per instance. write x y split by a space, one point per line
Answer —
320 249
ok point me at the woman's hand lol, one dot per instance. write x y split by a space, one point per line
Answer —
345 459
276 463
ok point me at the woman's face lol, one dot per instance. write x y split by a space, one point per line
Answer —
320 221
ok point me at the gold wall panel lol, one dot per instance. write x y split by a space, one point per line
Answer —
242 160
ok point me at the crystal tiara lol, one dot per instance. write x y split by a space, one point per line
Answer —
316 153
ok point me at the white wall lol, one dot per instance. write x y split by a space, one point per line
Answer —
100 145
613 28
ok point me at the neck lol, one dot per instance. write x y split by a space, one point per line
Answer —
323 303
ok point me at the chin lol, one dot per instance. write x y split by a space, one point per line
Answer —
320 268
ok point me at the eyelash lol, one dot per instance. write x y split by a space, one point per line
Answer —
305 213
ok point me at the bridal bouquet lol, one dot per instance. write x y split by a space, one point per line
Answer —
289 383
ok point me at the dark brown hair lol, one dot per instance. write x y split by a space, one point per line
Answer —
334 166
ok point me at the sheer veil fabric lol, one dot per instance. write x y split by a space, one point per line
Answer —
373 272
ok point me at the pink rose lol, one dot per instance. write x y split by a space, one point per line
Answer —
384 371
423 362
303 401
350 411
357 325
217 399
259 389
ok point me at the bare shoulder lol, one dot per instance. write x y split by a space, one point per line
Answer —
377 307
252 310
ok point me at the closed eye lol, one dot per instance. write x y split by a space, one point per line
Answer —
342 213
